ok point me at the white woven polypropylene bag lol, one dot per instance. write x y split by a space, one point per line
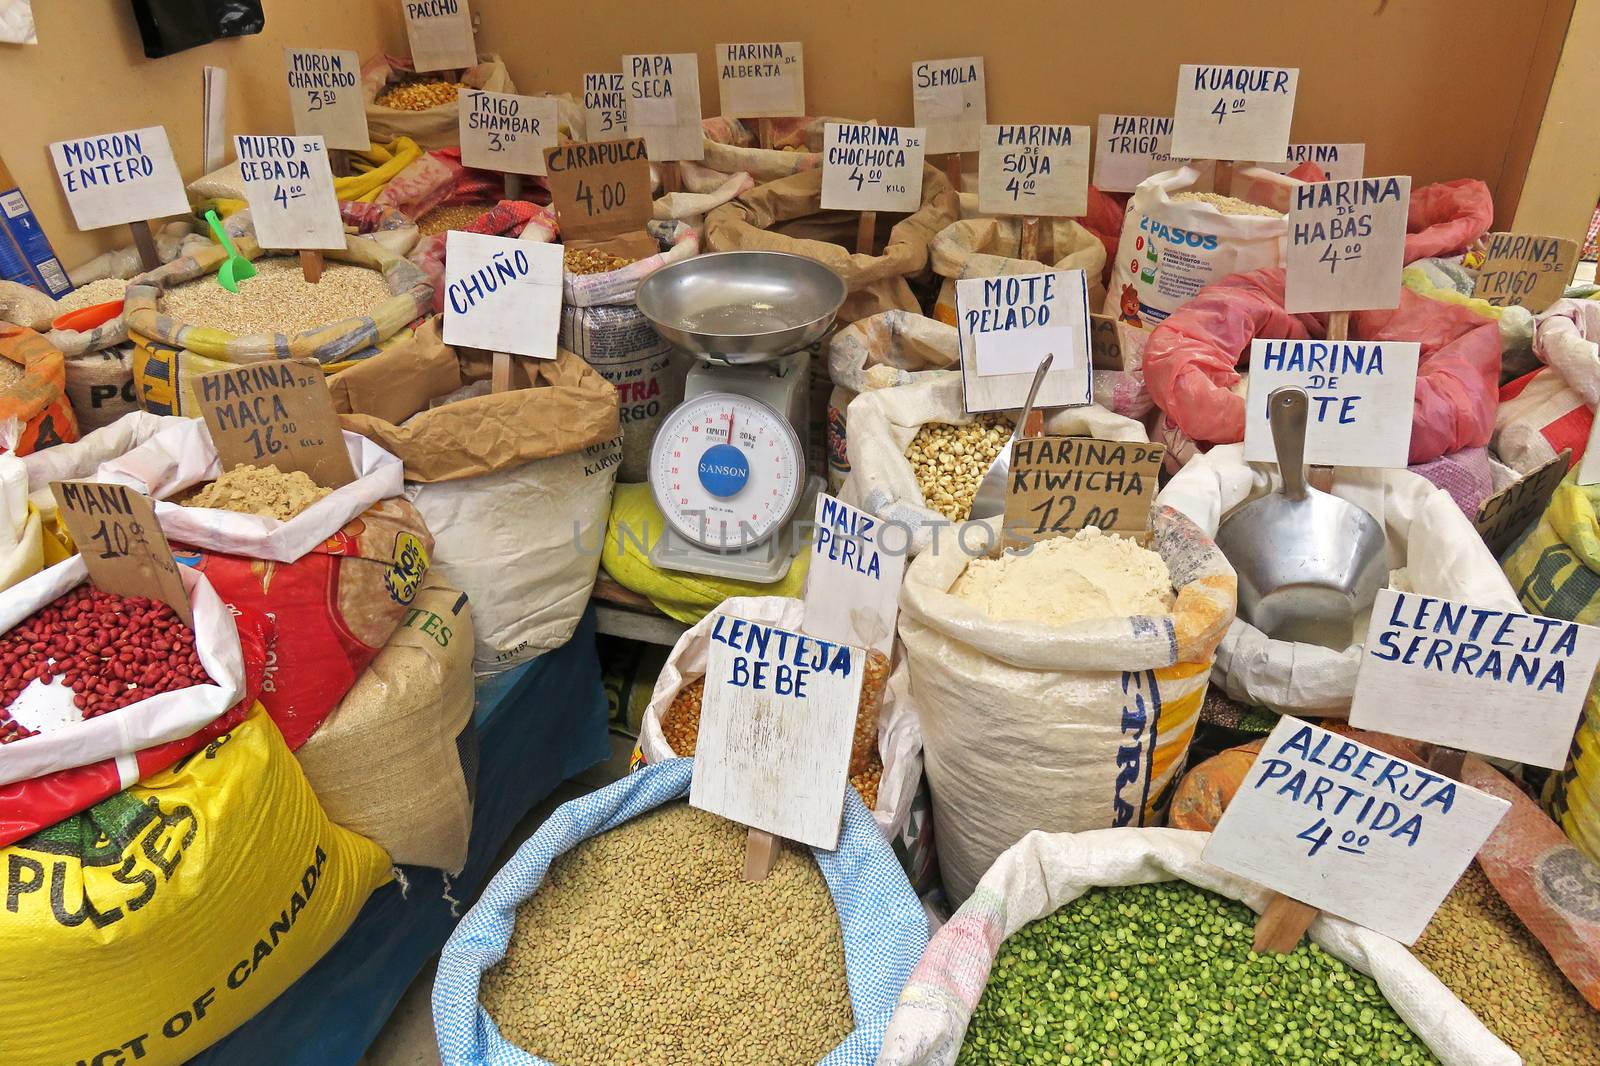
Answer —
1044 872
899 731
1428 537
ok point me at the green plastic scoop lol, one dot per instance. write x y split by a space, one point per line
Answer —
235 268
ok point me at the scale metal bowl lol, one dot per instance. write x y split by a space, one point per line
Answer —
742 307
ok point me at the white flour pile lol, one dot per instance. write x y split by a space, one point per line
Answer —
1070 579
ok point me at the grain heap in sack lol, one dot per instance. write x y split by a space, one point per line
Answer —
425 108
99 361
536 969
336 323
1076 696
514 486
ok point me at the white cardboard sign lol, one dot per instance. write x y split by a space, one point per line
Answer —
871 168
121 177
1034 170
1233 112
289 186
949 102
1482 679
506 132
1130 148
440 32
605 107
762 80
1009 324
1340 162
325 96
1362 835
1347 242
663 94
775 730
853 587
502 295
1361 395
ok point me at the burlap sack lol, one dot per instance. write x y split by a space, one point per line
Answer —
990 247
437 127
787 216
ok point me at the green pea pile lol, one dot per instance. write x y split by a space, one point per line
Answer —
1163 974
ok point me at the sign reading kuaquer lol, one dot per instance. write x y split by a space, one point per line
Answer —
1227 112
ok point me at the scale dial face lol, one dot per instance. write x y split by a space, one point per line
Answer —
721 459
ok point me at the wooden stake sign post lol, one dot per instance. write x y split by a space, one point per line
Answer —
775 730
663 103
121 542
762 82
325 100
1524 271
1059 485
870 169
289 185
1007 325
507 133
949 102
277 411
1331 824
122 178
1033 171
853 586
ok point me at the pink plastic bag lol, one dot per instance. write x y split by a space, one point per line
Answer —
1190 361
1446 218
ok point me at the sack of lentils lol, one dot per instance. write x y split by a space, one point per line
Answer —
916 457
33 391
894 348
1123 945
424 107
1433 549
601 323
647 945
1088 653
514 485
991 247
337 568
183 323
787 216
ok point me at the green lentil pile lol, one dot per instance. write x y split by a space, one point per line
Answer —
645 945
1163 974
1479 948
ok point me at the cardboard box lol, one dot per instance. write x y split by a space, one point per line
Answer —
25 252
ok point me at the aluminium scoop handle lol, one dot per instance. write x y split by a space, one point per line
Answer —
1033 394
1288 406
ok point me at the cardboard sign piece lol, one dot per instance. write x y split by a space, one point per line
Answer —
871 168
1361 395
1523 271
121 542
120 177
1034 170
440 32
289 185
506 132
775 730
1493 681
663 93
600 189
325 96
1233 112
1062 484
1331 822
762 80
1346 245
278 412
1008 324
949 103
853 586
502 295
1502 517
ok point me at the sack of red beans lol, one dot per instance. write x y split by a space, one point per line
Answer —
87 676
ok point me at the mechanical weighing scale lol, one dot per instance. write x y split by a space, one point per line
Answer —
728 465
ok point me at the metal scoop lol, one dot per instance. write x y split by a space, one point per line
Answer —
236 267
990 499
1309 564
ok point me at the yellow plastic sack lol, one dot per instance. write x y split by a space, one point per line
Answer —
686 597
1555 569
150 926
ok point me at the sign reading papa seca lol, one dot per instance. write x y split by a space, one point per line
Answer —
1484 679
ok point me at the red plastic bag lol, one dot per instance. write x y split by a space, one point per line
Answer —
1445 219
38 803
1190 361
1104 220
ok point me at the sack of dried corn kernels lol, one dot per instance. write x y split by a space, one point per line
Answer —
402 103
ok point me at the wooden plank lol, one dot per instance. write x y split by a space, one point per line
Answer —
1282 924
760 854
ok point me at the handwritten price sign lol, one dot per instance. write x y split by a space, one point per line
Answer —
325 96
1346 245
277 411
600 189
1233 112
871 168
1034 170
121 542
289 185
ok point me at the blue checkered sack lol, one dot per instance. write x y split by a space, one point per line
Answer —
883 926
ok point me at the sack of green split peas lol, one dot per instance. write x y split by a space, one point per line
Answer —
1059 687
1124 946
184 324
623 931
